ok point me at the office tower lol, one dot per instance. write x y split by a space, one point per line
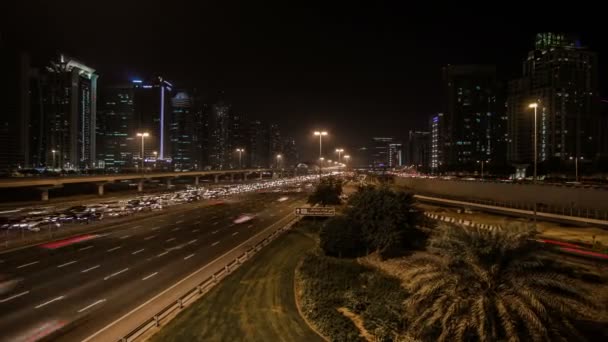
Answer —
69 96
290 153
184 140
275 145
116 126
438 142
471 110
256 149
219 136
395 154
152 112
15 112
201 121
561 76
380 152
418 150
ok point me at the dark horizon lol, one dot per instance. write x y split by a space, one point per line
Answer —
357 72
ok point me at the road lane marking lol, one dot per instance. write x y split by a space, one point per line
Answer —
49 302
169 240
115 274
113 249
126 236
192 241
149 276
233 234
150 237
138 251
215 223
67 263
189 256
197 222
214 232
249 226
174 229
155 228
195 230
30 264
215 243
85 248
136 227
89 269
180 221
17 295
163 253
181 215
91 305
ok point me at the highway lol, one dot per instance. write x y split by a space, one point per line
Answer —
81 287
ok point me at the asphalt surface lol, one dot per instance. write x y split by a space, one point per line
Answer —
82 287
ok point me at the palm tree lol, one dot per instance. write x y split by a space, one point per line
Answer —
491 285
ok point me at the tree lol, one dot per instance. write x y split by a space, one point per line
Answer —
385 217
327 192
340 237
491 285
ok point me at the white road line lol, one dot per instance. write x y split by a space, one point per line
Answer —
113 249
214 232
233 234
155 228
17 295
215 243
195 230
115 274
188 257
150 237
85 248
174 229
136 227
138 251
67 263
163 253
192 241
92 305
180 221
197 222
249 226
169 240
49 302
126 236
215 223
26 265
149 276
89 269
181 215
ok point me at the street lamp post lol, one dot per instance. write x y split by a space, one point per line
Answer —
339 151
240 151
535 106
320 134
54 151
321 165
279 156
155 157
481 162
143 136
576 167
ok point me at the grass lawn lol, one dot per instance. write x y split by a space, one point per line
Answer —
255 303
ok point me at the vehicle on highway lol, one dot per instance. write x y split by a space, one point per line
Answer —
244 218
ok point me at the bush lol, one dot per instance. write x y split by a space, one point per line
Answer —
340 237
327 192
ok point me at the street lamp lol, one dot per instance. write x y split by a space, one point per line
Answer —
53 151
482 162
339 151
279 156
320 134
155 157
535 106
576 167
143 136
240 151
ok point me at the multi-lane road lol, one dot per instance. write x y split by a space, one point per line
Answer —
81 287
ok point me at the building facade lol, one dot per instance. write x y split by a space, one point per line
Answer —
183 133
418 150
438 142
561 76
380 152
116 126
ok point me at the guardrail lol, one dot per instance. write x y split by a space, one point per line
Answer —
203 287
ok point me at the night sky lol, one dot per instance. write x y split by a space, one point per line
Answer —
356 70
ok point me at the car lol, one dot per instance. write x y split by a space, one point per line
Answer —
244 218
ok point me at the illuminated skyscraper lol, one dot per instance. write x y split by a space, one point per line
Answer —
183 133
116 142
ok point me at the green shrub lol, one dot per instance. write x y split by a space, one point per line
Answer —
340 237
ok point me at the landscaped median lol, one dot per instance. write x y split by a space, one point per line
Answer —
255 303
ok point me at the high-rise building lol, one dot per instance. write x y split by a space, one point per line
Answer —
275 144
183 133
116 126
395 154
15 112
256 149
290 153
418 151
219 136
472 110
380 152
69 97
561 76
438 142
152 112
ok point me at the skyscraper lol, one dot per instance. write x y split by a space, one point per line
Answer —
152 112
380 152
418 150
70 108
184 140
395 154
219 136
471 113
116 126
256 149
561 76
290 153
438 142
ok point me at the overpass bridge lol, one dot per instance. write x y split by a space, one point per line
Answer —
44 184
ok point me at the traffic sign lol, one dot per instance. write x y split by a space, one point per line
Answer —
316 211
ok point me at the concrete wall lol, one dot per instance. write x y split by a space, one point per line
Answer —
551 195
